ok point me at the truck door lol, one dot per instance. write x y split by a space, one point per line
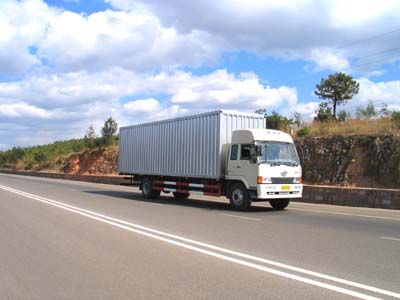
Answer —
240 167
233 163
247 169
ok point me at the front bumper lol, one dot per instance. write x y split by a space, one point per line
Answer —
276 191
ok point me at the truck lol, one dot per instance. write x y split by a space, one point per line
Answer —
217 153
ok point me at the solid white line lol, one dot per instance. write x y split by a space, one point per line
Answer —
240 217
169 190
345 214
123 224
390 238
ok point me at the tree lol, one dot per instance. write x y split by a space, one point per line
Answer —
90 138
384 110
297 119
343 116
324 112
367 112
337 88
276 121
261 111
108 131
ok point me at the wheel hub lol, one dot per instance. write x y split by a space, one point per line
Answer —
237 196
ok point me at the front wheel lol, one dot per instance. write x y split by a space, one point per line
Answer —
147 189
279 204
239 197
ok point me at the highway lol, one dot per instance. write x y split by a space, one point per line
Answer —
76 240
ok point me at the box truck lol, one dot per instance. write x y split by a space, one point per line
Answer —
218 153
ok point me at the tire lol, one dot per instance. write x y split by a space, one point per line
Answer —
239 197
147 189
181 196
279 204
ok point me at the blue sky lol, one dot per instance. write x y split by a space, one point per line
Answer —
67 64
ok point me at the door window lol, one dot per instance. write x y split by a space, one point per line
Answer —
234 152
245 152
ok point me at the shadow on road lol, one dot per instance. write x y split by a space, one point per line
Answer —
169 200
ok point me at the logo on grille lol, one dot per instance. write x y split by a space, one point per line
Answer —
284 173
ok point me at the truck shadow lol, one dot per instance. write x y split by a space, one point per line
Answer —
169 200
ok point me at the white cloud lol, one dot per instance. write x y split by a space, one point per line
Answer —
329 59
285 29
223 89
81 98
380 93
23 110
142 106
43 36
307 110
347 13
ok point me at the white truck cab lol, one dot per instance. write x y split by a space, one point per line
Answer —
266 164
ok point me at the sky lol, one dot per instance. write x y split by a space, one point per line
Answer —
67 64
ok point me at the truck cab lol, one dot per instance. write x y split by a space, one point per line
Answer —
263 165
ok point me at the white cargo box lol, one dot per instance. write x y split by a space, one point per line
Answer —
191 146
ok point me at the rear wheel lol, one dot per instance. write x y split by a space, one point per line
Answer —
239 197
279 204
179 195
147 189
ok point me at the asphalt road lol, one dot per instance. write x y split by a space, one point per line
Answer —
75 240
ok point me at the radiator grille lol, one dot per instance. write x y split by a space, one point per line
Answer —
282 180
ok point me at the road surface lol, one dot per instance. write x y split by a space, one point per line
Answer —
76 240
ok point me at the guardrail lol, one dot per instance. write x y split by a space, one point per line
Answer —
334 195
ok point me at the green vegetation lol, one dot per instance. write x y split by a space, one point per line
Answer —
396 119
324 113
303 131
277 121
367 112
337 88
50 156
108 132
39 156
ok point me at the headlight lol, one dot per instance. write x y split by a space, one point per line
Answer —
298 180
261 180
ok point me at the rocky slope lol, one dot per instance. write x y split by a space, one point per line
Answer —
369 161
99 162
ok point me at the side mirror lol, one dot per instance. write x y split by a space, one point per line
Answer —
254 154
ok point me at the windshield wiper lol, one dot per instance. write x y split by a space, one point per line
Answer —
278 163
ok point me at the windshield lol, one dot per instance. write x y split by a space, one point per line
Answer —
278 153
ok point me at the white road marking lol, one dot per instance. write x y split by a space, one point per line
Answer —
159 236
390 238
240 217
345 214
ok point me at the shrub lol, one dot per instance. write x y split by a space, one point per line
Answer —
324 113
303 131
276 121
396 119
343 116
40 157
367 112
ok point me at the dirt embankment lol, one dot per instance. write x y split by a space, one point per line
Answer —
99 162
366 161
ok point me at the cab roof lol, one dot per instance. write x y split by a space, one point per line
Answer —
256 134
